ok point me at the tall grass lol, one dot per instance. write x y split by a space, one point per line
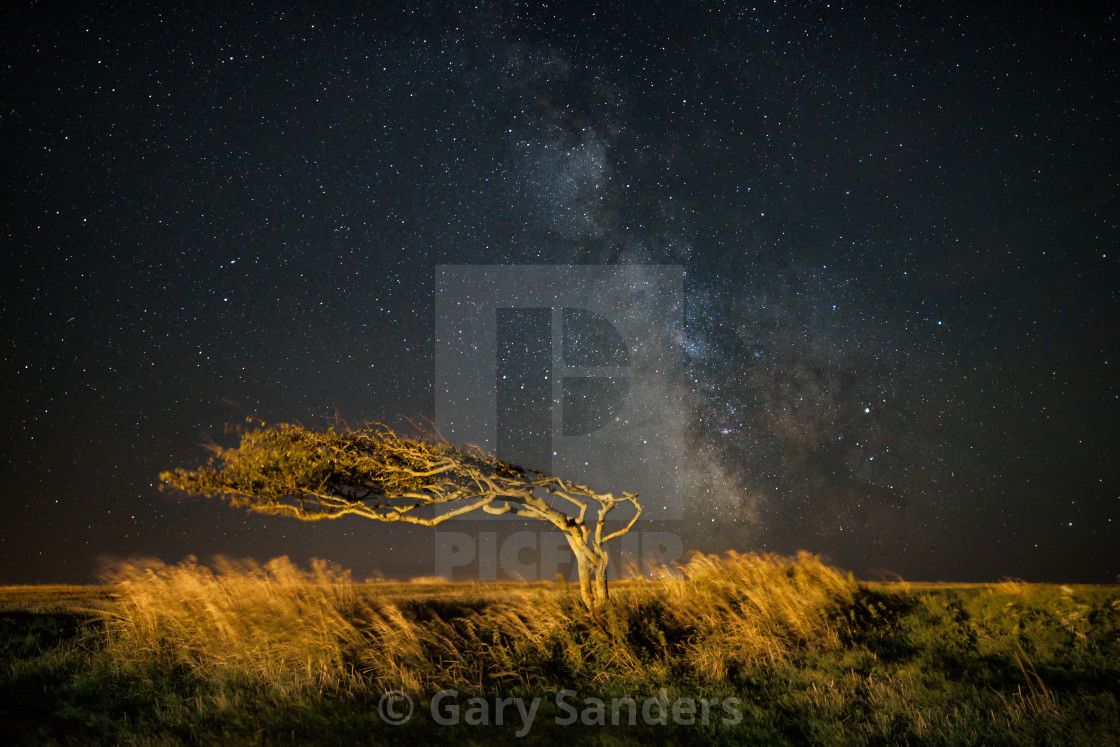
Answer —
273 623
237 652
296 630
755 609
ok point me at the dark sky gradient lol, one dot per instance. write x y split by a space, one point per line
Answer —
899 229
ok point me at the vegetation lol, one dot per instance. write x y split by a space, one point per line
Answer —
375 473
784 650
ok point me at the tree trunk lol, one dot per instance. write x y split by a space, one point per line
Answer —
583 563
599 580
591 563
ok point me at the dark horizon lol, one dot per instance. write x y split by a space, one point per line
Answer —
898 231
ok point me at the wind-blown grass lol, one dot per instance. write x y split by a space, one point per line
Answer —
286 628
235 651
272 623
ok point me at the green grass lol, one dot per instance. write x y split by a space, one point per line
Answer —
777 650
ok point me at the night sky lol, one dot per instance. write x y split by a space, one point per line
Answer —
897 223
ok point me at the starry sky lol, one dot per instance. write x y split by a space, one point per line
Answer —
897 226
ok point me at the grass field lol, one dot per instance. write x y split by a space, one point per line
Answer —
739 649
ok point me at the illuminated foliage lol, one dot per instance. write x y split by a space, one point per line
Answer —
374 472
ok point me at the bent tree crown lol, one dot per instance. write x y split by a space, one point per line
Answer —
373 472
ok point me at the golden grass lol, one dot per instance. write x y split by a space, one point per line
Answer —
273 622
276 651
755 609
292 629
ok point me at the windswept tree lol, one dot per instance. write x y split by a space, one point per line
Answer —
373 472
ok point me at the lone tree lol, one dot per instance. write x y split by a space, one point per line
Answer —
373 472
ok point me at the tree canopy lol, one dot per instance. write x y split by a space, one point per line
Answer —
290 470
